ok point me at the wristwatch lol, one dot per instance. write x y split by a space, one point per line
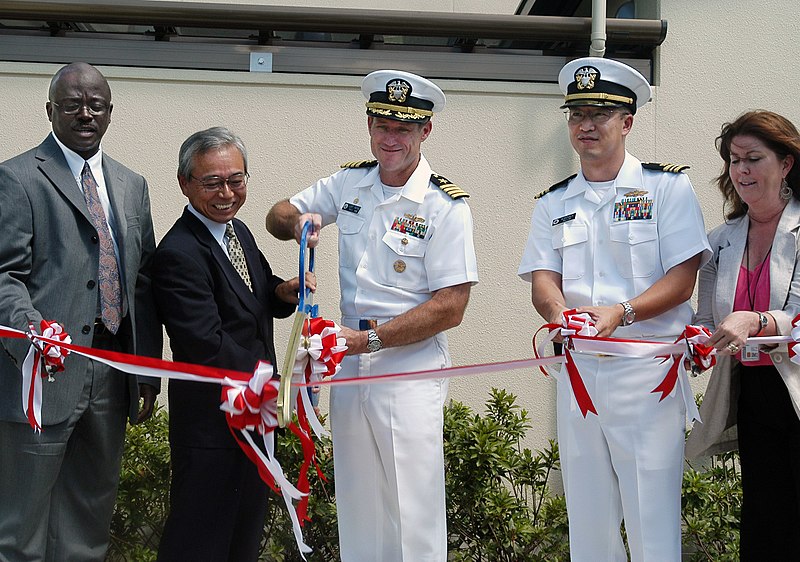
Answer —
374 343
762 322
629 315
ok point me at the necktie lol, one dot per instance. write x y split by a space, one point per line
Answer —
108 270
236 255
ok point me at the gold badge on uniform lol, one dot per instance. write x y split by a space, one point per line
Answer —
636 193
585 77
398 90
399 266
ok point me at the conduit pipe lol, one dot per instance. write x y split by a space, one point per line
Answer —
598 46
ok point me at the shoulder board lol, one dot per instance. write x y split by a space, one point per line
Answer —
360 164
559 185
664 167
448 187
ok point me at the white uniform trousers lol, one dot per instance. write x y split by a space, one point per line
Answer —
388 458
626 462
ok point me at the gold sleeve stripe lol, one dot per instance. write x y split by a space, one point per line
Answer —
665 167
454 191
448 187
359 164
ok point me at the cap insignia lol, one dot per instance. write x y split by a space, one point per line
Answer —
398 90
585 77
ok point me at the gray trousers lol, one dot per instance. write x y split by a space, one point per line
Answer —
57 488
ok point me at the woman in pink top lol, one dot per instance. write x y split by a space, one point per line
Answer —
751 287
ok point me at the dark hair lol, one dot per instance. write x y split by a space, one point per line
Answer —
203 141
775 131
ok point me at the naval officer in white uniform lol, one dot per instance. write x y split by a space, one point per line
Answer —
623 241
406 266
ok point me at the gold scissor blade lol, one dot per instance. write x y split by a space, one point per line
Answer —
285 388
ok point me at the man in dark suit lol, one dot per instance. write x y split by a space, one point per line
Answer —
217 297
77 242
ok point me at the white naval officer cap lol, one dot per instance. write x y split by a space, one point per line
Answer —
402 96
603 82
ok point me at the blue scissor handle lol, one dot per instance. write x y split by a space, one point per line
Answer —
305 294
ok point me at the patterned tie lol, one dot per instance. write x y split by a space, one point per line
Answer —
236 255
108 270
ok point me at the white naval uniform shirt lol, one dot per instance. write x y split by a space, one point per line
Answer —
612 249
393 253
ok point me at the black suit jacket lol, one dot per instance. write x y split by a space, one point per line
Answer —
212 319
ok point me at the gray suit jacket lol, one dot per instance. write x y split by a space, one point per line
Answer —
717 286
49 265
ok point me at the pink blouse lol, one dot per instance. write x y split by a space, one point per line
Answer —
752 293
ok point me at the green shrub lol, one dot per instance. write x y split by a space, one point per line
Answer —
711 509
143 497
499 504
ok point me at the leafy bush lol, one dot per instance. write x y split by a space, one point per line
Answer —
499 504
711 509
143 497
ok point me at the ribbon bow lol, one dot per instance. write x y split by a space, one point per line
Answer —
44 359
321 350
254 408
697 353
793 354
578 324
572 323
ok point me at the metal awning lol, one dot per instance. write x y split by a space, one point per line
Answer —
216 36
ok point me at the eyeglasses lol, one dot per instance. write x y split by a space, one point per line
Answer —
598 117
72 107
211 184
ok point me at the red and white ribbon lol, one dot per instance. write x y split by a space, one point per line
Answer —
248 398
253 408
793 354
43 360
319 356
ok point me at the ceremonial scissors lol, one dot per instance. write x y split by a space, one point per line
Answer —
305 309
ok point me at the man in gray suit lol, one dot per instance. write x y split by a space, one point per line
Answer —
76 239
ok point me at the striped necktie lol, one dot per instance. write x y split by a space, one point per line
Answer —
108 270
236 255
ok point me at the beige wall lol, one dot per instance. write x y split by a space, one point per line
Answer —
501 142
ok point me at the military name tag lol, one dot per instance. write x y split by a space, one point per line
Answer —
351 208
565 218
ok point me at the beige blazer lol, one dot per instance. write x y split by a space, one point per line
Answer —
717 285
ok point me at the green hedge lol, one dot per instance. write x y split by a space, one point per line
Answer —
500 506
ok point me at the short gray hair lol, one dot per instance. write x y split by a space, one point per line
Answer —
203 141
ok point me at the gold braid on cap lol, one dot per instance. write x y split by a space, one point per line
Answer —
399 108
599 96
